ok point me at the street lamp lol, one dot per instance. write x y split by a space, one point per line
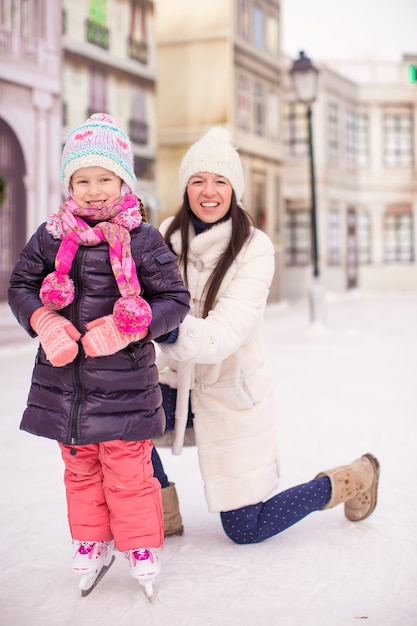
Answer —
305 78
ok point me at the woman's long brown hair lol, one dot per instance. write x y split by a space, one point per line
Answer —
241 231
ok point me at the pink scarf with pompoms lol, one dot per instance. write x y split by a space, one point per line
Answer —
131 312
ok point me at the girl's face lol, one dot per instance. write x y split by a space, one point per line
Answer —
94 187
209 196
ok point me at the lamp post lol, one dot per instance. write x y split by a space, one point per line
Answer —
305 77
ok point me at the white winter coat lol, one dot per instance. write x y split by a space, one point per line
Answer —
221 359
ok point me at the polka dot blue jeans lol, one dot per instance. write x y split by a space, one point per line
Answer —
257 522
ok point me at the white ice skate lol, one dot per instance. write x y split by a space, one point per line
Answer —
92 560
144 566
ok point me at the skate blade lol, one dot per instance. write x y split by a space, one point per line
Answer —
148 588
89 582
146 581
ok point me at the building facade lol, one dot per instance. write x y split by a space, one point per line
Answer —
220 65
60 62
30 122
109 66
365 146
168 72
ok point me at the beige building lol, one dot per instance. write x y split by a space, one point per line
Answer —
30 122
168 71
219 64
109 66
365 147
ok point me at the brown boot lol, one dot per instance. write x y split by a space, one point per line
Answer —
172 516
356 485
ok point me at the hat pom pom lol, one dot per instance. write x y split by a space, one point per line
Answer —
132 314
102 117
218 134
57 291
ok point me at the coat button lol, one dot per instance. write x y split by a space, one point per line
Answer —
199 265
190 333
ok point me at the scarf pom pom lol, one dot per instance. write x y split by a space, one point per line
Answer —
57 291
54 226
132 314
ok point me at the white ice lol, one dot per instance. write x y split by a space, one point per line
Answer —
342 389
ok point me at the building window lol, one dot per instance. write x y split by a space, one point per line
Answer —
259 27
362 145
351 249
22 24
364 238
272 35
257 23
137 42
333 130
259 200
277 205
273 115
398 235
24 17
243 114
243 27
298 237
398 137
295 131
98 91
138 125
144 168
335 232
259 110
351 138
357 142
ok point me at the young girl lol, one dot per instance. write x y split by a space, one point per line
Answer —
217 362
97 284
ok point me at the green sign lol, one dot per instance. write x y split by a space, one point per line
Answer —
97 11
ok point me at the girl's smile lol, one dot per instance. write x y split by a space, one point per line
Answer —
95 187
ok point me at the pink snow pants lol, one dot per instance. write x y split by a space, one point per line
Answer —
112 494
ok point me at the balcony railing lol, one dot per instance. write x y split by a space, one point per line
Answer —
29 52
97 35
138 50
12 44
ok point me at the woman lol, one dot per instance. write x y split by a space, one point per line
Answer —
214 371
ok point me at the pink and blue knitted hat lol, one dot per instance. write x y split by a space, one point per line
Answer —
98 142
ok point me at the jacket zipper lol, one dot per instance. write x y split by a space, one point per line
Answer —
77 378
134 357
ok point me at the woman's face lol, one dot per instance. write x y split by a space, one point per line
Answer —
94 187
209 196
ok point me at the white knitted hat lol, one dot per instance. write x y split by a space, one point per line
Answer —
213 153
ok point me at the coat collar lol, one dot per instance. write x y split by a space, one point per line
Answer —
210 243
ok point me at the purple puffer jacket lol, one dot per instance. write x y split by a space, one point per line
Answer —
103 398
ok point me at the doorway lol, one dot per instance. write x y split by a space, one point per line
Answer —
13 209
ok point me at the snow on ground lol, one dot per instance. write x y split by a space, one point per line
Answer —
342 390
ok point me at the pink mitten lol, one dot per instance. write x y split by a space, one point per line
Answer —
104 338
57 335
